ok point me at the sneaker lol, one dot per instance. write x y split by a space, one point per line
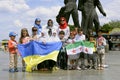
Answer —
98 68
101 68
105 66
93 67
78 68
11 70
23 69
88 67
16 70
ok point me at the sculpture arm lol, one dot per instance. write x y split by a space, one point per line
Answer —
80 5
98 4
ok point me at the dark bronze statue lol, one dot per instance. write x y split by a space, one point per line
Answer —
89 15
69 8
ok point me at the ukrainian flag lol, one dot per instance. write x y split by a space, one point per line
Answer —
35 52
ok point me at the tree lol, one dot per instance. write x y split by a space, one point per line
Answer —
109 26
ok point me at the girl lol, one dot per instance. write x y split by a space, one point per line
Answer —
101 43
24 38
37 25
64 27
35 36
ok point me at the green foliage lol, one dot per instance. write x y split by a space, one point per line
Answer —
72 27
115 24
105 28
109 26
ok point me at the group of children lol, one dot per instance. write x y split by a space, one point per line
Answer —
51 33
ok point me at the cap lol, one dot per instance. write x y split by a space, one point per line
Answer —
12 34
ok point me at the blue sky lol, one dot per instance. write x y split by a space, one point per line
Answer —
17 14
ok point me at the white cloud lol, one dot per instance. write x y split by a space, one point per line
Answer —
113 9
44 11
13 5
18 23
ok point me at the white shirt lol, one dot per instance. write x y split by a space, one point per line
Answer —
80 37
71 40
66 30
46 29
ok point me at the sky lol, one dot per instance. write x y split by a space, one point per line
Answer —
18 14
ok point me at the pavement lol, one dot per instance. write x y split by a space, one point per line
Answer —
110 73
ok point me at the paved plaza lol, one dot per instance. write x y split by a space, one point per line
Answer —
110 73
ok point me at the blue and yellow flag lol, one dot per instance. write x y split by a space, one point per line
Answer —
35 52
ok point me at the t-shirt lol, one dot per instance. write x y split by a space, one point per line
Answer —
66 31
25 40
80 37
12 46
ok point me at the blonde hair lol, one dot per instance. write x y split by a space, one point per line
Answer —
21 37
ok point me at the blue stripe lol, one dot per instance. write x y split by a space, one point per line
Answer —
38 48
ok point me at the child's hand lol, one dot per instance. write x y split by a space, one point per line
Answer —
18 54
14 44
31 39
44 42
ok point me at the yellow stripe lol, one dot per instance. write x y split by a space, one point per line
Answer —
36 59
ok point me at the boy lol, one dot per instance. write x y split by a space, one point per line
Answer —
62 57
12 46
81 37
92 56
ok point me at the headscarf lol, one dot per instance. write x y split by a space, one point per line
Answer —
63 26
38 26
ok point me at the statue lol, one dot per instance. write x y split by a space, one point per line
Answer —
89 15
69 8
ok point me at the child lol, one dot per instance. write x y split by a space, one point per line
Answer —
62 57
38 26
101 42
35 36
63 26
24 38
81 37
72 58
92 56
54 37
12 46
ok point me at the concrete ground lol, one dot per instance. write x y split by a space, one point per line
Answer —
110 73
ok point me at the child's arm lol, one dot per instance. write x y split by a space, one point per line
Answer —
11 45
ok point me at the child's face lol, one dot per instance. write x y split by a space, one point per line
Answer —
91 38
80 32
24 33
37 22
61 36
72 36
34 32
99 33
50 23
62 21
12 37
42 34
54 34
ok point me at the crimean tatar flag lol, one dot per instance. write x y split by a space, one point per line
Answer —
80 46
35 52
